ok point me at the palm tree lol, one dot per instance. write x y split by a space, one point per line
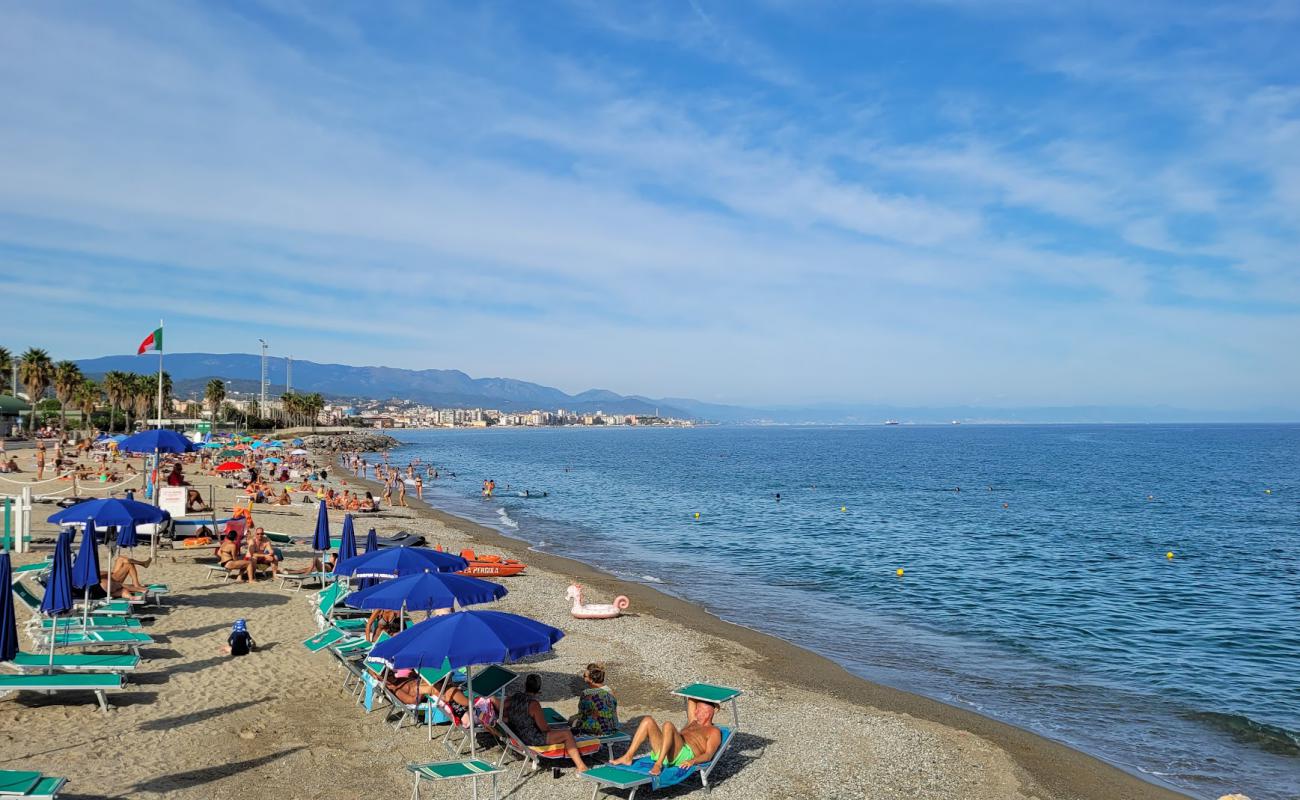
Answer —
6 364
116 385
292 405
86 397
36 371
67 379
312 405
214 394
143 390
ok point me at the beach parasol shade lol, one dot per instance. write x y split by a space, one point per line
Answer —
296 442
298 452
158 440
107 511
58 592
272 460
348 545
464 639
394 562
85 569
8 626
321 538
229 454
231 466
214 445
426 591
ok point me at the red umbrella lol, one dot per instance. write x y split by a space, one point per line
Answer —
231 466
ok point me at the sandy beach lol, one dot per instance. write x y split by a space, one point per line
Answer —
196 723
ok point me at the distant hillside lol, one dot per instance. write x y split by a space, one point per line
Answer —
444 388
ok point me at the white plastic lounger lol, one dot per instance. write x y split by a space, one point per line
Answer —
99 684
637 774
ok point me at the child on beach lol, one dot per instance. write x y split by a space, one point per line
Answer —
240 642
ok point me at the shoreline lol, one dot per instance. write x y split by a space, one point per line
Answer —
1044 767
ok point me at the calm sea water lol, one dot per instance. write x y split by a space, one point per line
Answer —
1040 593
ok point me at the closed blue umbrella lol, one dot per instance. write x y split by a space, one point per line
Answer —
464 639
348 544
372 544
126 535
85 569
58 592
426 591
8 627
321 539
394 562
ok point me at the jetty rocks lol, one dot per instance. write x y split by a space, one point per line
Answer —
359 441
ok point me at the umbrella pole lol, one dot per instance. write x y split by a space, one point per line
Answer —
157 466
469 695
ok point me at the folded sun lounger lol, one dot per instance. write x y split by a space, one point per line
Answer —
29 785
637 774
75 662
99 684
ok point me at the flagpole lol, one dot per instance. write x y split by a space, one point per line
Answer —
160 377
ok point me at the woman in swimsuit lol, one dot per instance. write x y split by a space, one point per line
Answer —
523 713
228 555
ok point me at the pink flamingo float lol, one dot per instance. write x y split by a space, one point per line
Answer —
583 610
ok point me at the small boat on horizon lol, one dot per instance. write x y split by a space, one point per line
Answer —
891 422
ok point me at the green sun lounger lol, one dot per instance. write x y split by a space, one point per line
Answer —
75 662
32 601
324 639
454 770
637 774
39 566
29 785
131 640
93 623
98 683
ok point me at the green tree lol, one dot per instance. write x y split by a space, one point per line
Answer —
117 386
86 399
312 405
36 371
6 364
215 394
67 379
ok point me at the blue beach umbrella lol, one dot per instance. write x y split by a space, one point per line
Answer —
158 440
426 591
372 544
464 639
395 562
8 627
348 544
297 442
85 569
126 536
107 511
321 538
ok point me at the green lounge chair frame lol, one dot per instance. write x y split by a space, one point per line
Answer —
30 785
75 662
93 623
617 777
531 759
35 566
98 683
131 640
455 770
490 682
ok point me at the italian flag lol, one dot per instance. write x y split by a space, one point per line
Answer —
151 342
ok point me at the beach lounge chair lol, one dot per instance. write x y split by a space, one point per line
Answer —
327 607
98 683
454 770
92 623
75 662
131 640
100 608
532 755
324 639
29 785
637 774
490 683
35 567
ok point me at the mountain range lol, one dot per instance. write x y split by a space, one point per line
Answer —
449 388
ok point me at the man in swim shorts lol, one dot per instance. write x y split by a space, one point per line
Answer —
697 743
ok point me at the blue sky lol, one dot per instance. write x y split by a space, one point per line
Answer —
995 202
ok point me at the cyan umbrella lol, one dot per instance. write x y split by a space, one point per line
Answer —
58 592
8 627
426 591
348 544
271 460
464 639
85 569
394 562
214 445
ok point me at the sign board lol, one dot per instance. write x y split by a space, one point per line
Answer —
172 500
204 427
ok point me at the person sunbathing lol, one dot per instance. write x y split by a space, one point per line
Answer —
597 709
228 555
697 743
124 568
315 566
306 486
194 501
381 622
260 552
523 713
284 499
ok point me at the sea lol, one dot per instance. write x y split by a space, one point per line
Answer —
1130 590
